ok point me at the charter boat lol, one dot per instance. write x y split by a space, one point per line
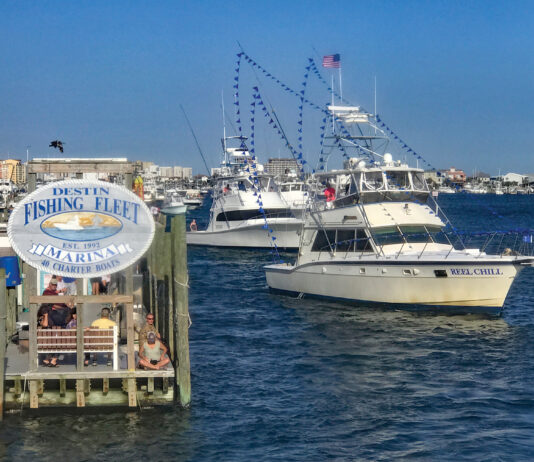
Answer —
191 198
247 209
294 192
173 203
384 239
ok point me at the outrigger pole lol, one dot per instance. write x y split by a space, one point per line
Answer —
196 141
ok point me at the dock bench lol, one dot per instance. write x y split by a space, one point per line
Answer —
95 340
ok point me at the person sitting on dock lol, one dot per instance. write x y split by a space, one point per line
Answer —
46 308
102 323
72 324
153 354
52 315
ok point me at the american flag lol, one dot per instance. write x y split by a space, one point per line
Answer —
332 61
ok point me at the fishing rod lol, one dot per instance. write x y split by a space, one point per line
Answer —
196 141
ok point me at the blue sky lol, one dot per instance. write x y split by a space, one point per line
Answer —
454 79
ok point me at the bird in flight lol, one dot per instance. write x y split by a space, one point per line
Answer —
56 144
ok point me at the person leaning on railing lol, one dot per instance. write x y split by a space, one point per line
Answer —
53 316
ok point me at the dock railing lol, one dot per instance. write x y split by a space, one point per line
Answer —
79 301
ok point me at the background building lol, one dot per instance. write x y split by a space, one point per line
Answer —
455 176
281 166
13 170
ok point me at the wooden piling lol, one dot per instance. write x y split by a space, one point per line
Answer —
3 337
11 311
32 354
80 356
34 399
181 318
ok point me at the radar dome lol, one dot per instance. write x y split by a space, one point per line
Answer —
388 158
361 164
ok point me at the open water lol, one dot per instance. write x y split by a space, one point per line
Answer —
275 378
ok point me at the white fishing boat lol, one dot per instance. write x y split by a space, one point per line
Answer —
173 203
383 240
294 192
247 208
192 199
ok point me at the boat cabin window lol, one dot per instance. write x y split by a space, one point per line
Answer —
437 235
398 179
414 234
342 240
242 215
372 181
410 234
388 235
324 239
418 181
290 187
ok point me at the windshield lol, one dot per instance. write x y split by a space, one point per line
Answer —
418 180
398 180
372 181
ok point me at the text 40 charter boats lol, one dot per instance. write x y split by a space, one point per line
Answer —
383 238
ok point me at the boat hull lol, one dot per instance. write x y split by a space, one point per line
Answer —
174 210
466 284
249 236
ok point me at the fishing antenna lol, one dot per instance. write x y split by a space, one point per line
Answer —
196 141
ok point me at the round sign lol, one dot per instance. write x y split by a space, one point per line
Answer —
79 228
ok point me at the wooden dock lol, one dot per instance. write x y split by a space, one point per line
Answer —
27 384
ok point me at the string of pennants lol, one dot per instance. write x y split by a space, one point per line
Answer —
298 156
428 164
311 68
253 177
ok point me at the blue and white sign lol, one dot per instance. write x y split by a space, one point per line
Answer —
79 228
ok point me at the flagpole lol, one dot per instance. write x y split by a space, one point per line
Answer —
375 102
332 88
340 87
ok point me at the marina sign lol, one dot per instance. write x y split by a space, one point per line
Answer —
79 228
